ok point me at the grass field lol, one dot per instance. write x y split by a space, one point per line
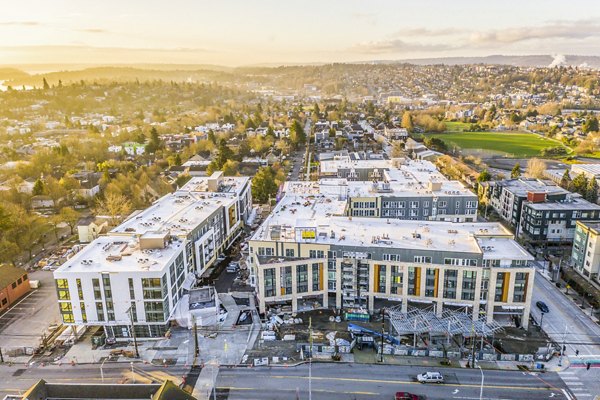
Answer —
456 126
513 144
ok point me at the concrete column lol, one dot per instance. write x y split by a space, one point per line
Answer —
338 284
388 279
371 302
529 294
491 295
439 308
294 289
459 283
477 294
310 276
511 288
404 288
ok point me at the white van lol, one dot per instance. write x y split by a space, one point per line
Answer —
430 377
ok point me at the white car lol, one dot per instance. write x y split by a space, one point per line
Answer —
430 377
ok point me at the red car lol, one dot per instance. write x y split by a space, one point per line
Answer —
407 396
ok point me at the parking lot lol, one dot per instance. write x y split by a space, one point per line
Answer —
25 322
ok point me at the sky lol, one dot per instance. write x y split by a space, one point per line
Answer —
249 32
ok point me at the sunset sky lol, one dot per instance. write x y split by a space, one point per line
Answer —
243 32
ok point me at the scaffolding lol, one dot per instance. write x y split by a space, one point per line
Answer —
418 321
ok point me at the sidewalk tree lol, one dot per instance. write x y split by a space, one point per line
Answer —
536 168
264 185
407 122
297 134
484 176
116 206
69 216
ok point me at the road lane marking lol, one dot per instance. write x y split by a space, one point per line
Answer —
294 390
413 382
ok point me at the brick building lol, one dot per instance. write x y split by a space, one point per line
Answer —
14 284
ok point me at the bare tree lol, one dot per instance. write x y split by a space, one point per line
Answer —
536 168
116 206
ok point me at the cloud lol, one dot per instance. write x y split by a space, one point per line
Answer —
426 32
396 46
556 30
20 23
93 30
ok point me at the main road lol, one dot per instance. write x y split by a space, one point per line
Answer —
329 381
567 323
362 381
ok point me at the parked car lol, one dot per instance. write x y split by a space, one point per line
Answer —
233 267
430 377
221 257
407 396
542 306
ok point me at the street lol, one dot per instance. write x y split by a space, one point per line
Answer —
363 381
567 323
330 381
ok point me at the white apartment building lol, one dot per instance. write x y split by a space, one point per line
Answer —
138 272
308 253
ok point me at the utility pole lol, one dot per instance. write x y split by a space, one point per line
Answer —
196 345
382 331
137 353
1 356
562 348
310 341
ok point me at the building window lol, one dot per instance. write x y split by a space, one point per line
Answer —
316 277
331 275
302 278
396 284
269 276
153 289
381 282
131 289
520 287
79 289
289 252
430 284
62 289
422 259
286 280
83 313
97 291
468 285
100 311
155 311
450 278
66 311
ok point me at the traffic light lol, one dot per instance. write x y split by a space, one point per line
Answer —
588 365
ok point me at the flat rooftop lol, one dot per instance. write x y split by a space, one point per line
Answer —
305 209
502 249
591 169
118 253
574 203
232 185
521 187
179 213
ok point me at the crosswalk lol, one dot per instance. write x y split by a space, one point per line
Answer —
575 385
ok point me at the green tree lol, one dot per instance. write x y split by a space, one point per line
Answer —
45 83
484 176
516 171
566 182
224 153
212 137
38 187
155 143
264 185
317 110
297 134
590 125
591 193
70 217
580 184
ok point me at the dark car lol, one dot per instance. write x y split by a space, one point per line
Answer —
542 306
408 396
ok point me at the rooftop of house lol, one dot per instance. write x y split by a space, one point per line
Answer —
10 274
305 214
118 253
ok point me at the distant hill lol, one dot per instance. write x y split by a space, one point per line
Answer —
519 61
12 73
119 74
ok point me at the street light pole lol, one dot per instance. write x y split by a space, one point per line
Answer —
101 371
482 380
132 373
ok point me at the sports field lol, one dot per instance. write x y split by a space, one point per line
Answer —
513 144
